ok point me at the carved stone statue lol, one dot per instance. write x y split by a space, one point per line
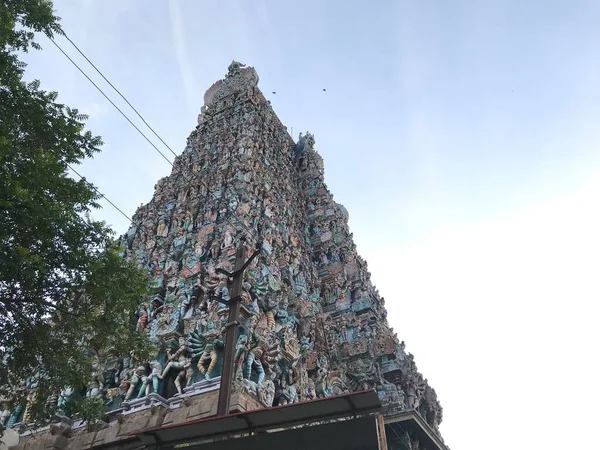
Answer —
206 345
255 350
151 381
135 381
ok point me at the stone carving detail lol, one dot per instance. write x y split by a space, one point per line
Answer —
313 325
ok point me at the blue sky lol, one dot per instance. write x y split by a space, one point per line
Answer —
461 136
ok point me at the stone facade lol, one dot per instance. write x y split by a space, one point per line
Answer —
313 324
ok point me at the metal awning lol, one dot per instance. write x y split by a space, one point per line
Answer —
347 405
412 422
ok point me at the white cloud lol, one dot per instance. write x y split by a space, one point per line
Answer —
179 45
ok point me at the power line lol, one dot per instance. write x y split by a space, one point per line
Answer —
99 193
119 92
111 102
130 105
252 234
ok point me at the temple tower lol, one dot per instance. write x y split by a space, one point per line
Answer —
313 325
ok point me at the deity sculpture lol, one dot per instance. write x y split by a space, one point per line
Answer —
206 345
137 377
143 313
255 350
227 239
15 416
4 416
96 384
151 381
269 304
304 144
266 392
282 396
163 228
182 364
63 398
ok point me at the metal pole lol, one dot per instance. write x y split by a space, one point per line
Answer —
381 437
232 332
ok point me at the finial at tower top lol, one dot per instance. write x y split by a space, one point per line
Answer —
239 78
235 67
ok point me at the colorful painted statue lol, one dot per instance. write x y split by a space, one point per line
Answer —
206 345
4 416
266 392
63 398
151 381
255 350
182 365
176 358
15 416
269 305
136 379
96 385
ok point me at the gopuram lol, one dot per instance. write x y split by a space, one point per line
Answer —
312 324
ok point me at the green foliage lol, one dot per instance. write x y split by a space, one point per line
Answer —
65 293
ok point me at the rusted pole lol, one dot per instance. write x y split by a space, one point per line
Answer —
381 437
232 331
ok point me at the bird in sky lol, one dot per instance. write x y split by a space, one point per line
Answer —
274 92
324 90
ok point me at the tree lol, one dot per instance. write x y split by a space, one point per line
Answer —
65 292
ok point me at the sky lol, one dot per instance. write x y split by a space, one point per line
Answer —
462 136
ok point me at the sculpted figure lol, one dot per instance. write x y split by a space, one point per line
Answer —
282 396
241 348
163 228
250 386
218 285
136 379
206 344
253 358
310 392
267 392
63 398
234 67
282 317
4 416
183 364
227 239
144 312
176 359
414 390
269 305
151 381
96 384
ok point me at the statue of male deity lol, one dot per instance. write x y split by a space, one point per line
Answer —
304 144
255 347
4 416
177 359
266 392
96 385
151 381
137 378
207 345
63 398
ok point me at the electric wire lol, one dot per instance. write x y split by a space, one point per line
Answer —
250 232
100 193
111 102
119 92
